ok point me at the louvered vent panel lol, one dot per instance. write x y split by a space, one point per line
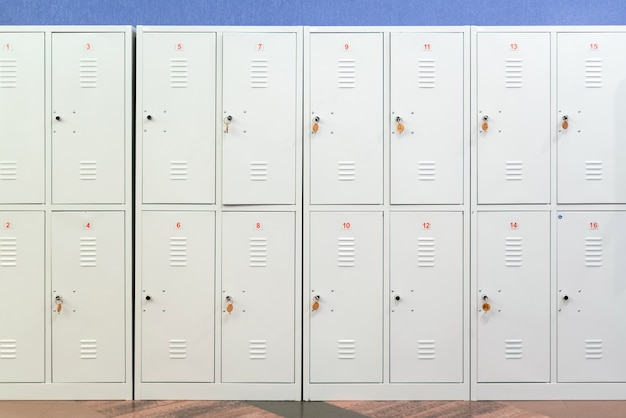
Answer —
257 349
178 251
88 73
426 349
88 251
514 170
8 251
426 252
346 252
258 252
513 251
88 349
346 71
593 252
513 349
179 73
259 73
593 170
593 73
513 73
258 170
178 349
8 170
426 170
426 73
8 73
346 349
346 170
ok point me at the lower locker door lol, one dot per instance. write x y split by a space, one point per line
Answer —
177 294
346 305
88 297
258 297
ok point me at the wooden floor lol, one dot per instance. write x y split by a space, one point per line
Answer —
338 409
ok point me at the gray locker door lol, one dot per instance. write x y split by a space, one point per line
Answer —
88 329
591 296
178 117
22 123
346 91
88 117
177 294
513 297
427 118
346 329
259 94
514 95
22 287
258 282
592 95
426 268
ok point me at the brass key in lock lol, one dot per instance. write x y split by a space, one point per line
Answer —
565 123
485 125
227 120
229 307
399 125
316 304
316 125
486 305
59 302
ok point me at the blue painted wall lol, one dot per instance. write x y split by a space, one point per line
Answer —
311 12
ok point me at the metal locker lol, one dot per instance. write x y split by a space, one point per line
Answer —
22 290
177 294
513 302
178 117
591 296
259 118
88 295
22 126
88 117
427 99
258 296
346 127
513 139
346 277
591 99
426 277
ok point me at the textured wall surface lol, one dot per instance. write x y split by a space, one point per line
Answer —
314 13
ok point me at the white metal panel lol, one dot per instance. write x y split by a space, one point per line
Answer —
259 95
88 277
177 296
22 126
22 290
426 277
513 262
592 95
178 117
591 296
346 273
427 72
88 117
514 94
258 282
346 94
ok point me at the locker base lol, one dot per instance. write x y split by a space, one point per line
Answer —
212 391
66 391
548 391
386 392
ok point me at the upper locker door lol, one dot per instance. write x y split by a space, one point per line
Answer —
259 118
426 277
88 297
591 296
178 117
88 117
592 99
346 120
513 118
22 126
427 118
22 284
258 296
346 304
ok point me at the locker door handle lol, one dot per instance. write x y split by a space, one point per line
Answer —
149 117
397 297
565 297
58 118
148 297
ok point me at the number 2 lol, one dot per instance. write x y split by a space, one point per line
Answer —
7 225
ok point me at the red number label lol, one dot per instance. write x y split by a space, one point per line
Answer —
346 225
259 47
346 47
258 225
426 225
513 47
88 46
513 225
593 46
7 225
426 47
88 225
593 225
179 225
179 47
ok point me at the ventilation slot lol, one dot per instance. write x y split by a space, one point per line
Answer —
88 251
8 252
346 349
593 349
178 349
513 252
347 73
178 73
513 349
259 73
426 252
88 170
258 252
88 349
426 74
426 349
346 170
593 252
8 170
258 170
8 73
426 170
258 349
513 170
593 73
8 349
593 170
513 73
88 73
346 252
178 170
178 251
